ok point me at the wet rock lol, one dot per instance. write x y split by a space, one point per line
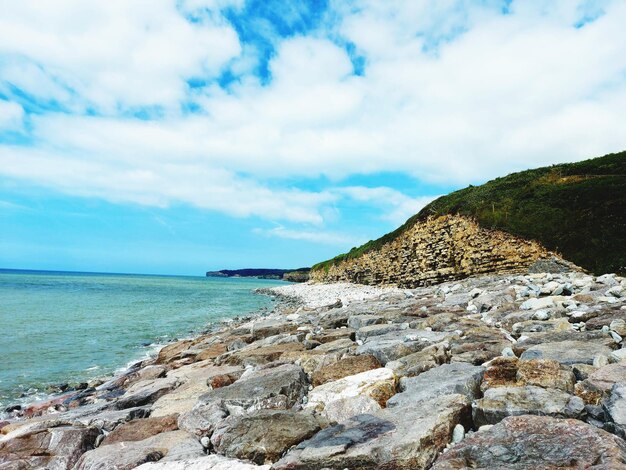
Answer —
379 384
416 363
55 448
536 442
458 378
141 429
208 462
567 352
348 366
262 436
500 402
599 383
387 439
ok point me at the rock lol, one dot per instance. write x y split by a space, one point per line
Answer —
618 326
140 429
618 355
394 345
359 321
252 355
146 392
458 434
542 302
343 409
262 436
478 345
500 402
202 418
269 327
416 363
533 339
376 330
348 366
208 462
387 439
55 448
279 387
169 446
599 383
546 373
458 378
615 409
567 352
534 326
379 384
326 336
172 351
536 442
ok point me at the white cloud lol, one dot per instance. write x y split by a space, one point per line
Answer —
452 92
324 237
11 116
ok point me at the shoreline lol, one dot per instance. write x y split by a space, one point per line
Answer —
432 362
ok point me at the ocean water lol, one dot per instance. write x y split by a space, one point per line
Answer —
71 327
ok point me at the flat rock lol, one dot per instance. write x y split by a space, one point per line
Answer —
387 439
458 378
208 462
379 384
140 429
599 383
344 367
500 402
270 327
533 339
343 409
416 363
567 352
478 345
55 448
534 443
326 336
256 356
262 436
359 321
394 345
146 392
513 372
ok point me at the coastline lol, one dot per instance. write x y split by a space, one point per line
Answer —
432 363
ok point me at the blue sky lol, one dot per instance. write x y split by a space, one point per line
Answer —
181 136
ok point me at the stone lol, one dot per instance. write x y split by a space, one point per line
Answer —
279 387
140 429
55 448
380 329
416 363
326 336
208 462
600 382
567 352
262 436
343 409
167 446
270 327
535 326
359 321
478 345
615 409
146 392
202 418
618 326
540 303
536 442
500 402
394 345
344 367
172 351
533 339
458 378
458 434
385 439
251 355
618 355
546 373
379 384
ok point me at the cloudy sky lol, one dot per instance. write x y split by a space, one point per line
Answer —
178 136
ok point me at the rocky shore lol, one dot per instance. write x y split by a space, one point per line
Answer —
492 372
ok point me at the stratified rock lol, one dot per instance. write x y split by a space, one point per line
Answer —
348 366
500 402
55 448
532 339
460 378
174 445
359 321
387 439
208 462
599 383
416 363
140 429
536 442
379 384
567 352
262 436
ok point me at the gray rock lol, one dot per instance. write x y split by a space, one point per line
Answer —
386 439
359 321
416 363
203 417
376 330
567 352
460 378
500 402
615 409
262 436
146 392
394 345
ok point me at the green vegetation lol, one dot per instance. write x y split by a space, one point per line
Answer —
575 209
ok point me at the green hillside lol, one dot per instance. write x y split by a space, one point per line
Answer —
576 209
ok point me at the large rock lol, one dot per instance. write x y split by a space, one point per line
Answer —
512 372
500 402
416 363
533 339
394 345
460 378
343 409
379 384
615 408
599 383
536 442
252 355
478 345
208 462
347 366
567 352
262 436
140 429
383 440
146 392
169 446
56 448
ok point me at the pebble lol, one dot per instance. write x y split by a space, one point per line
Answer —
458 433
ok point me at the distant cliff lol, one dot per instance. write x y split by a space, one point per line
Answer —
292 275
575 210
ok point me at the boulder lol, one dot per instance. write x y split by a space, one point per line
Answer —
385 439
326 336
359 321
146 392
394 345
500 402
536 442
599 383
513 372
533 339
252 355
208 462
379 329
55 448
458 378
615 409
478 345
379 384
140 429
262 436
567 352
343 409
270 327
347 366
416 363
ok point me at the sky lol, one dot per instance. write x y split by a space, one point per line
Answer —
181 136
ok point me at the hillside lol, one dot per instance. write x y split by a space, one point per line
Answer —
575 209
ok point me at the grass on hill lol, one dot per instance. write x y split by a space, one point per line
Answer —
577 209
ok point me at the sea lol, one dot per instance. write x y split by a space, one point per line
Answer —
68 327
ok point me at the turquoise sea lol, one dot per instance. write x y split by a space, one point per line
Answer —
58 327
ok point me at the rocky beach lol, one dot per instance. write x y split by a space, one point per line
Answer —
509 371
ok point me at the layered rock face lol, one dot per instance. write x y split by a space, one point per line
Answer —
440 249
